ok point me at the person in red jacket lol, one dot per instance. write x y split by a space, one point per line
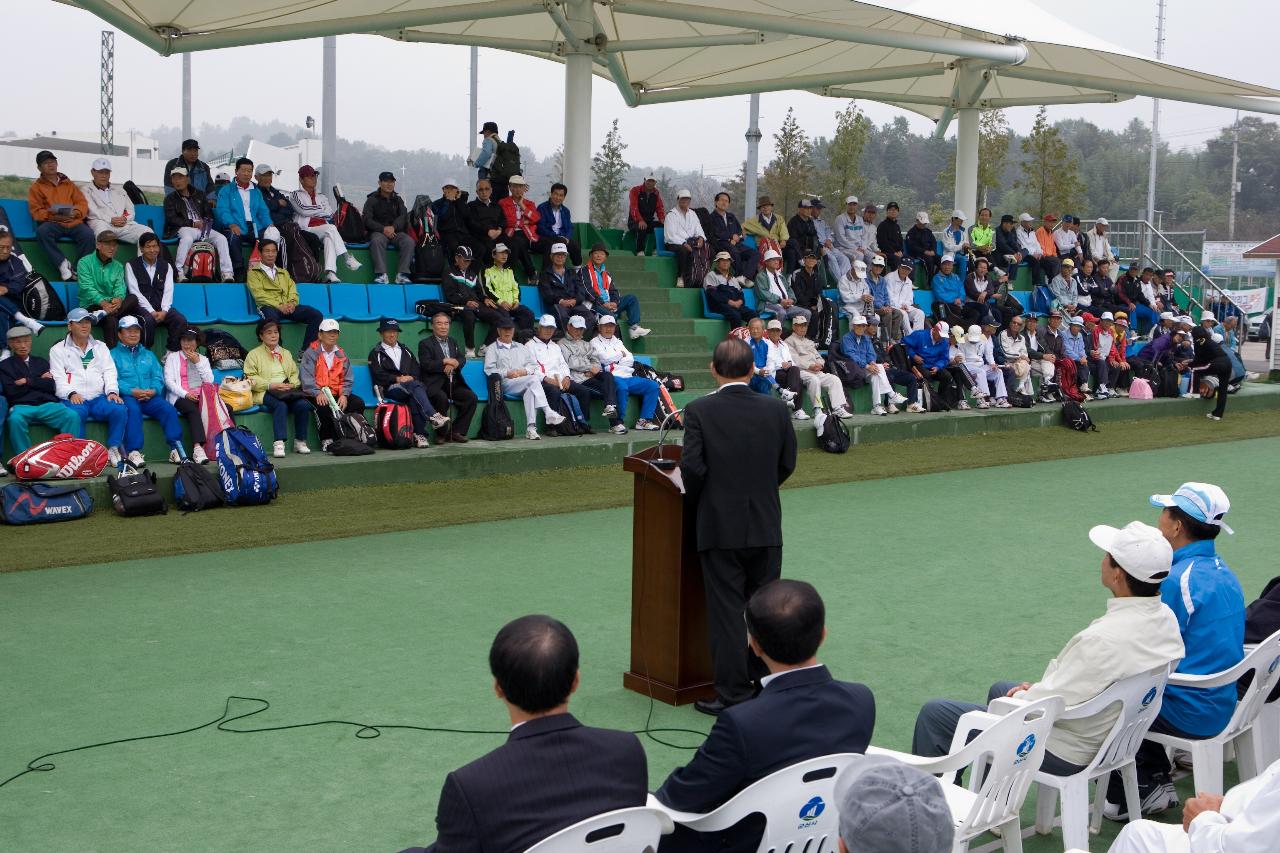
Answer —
1107 360
522 225
645 212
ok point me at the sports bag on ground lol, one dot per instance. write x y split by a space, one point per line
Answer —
826 323
215 416
1021 401
63 457
495 421
134 492
202 262
247 477
393 426
1075 417
348 219
236 392
349 447
196 487
40 301
40 503
571 425
833 437
334 424
301 263
1166 382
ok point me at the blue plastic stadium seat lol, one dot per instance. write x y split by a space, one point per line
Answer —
189 300
362 384
473 372
218 376
347 301
24 227
748 300
531 299
749 241
72 294
389 300
229 303
316 296
660 244
924 300
643 359
152 215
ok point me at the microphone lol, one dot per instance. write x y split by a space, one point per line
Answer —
662 462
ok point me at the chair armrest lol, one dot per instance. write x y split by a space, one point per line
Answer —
1004 704
677 817
1213 679
970 723
918 761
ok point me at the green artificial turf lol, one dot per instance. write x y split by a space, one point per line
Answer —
936 585
357 510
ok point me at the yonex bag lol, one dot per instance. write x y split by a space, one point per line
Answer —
40 301
40 503
1075 417
247 477
63 457
196 487
134 492
495 422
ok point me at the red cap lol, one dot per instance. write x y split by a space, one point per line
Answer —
307 172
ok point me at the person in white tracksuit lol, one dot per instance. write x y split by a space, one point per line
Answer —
902 296
979 362
520 377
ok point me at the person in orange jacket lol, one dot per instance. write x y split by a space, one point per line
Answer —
59 209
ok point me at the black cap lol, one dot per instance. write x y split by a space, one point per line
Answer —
600 247
189 333
1008 217
504 323
810 253
1148 269
190 143
892 204
45 155
389 324
386 176
489 126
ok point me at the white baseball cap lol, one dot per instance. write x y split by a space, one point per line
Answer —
606 320
1101 221
684 194
877 261
860 264
547 321
922 218
577 321
1077 321
501 247
1026 217
1206 314
974 335
1168 315
774 324
942 328
128 321
1202 501
853 199
1140 549
771 255
329 325
517 180
1107 315
263 168
958 214
449 182
948 258
559 249
857 320
101 164
1186 318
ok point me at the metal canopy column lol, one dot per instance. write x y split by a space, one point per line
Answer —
966 197
753 159
577 106
329 114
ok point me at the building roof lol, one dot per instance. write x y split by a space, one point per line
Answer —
62 143
1265 250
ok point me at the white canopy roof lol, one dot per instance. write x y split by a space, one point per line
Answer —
930 56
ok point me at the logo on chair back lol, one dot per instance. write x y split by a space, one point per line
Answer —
1025 748
810 812
1149 698
1273 666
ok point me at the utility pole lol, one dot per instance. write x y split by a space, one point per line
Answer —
106 94
1235 185
186 95
475 102
1155 124
753 159
328 111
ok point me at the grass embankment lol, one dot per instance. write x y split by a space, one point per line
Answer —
360 510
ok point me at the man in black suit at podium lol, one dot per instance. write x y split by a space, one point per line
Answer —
739 447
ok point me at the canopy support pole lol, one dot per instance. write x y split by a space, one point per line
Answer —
753 159
186 96
966 197
328 113
577 107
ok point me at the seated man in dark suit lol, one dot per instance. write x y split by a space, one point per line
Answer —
553 771
801 713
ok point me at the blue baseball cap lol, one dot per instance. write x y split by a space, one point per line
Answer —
1204 502
75 315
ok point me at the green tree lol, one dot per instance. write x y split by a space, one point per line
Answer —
994 137
788 173
843 174
609 180
1050 172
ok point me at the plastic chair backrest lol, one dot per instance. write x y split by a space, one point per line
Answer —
150 215
229 303
362 383
414 292
1264 665
797 802
189 300
531 299
387 300
1140 697
473 373
317 296
749 298
351 301
623 831
24 227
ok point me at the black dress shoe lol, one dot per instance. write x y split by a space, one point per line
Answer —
458 438
710 706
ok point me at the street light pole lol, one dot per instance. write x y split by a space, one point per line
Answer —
1155 125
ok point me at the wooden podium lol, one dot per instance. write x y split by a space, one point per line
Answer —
670 656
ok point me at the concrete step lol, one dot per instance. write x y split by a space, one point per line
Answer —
681 362
655 344
657 308
664 327
697 380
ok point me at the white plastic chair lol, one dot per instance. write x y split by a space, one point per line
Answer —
1207 755
1267 728
622 831
798 804
1139 698
1003 760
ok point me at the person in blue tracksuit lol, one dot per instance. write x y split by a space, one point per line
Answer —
929 352
141 381
1208 601
761 379
239 223
948 292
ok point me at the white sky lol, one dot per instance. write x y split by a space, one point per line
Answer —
424 102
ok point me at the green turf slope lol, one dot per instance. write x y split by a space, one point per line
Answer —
935 585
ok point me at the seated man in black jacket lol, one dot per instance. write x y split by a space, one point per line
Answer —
441 359
453 220
803 235
485 221
27 383
800 713
561 291
553 771
188 215
726 236
462 287
394 369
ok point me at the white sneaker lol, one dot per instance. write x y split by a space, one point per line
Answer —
480 352
35 326
531 433
300 447
879 410
801 415
97 316
228 278
915 408
324 444
963 406
277 449
843 413
984 403
3 471
113 457
638 332
1002 403
639 254
198 454
352 263
420 441
1189 395
679 281
175 457
381 279
618 429
897 399
403 279
1211 416
439 420
136 458
552 417
646 425
180 276
610 411
64 270
1251 376
471 354
787 395
1160 798
331 277
893 409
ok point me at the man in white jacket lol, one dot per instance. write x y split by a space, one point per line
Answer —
615 358
1246 820
84 378
520 377
902 297
312 214
109 207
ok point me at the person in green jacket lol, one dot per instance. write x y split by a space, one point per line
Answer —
277 387
276 294
102 289
503 294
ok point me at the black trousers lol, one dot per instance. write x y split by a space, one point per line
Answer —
562 315
173 322
731 576
519 245
128 308
603 387
642 237
789 378
1221 368
326 427
190 409
445 390
1151 762
952 381
684 262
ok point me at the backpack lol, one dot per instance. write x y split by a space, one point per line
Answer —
1066 379
300 264
1075 417
246 475
833 437
350 447
134 492
196 487
202 262
428 261
40 503
428 308
495 421
1166 383
1021 401
571 425
393 426
224 351
666 405
348 219
63 457
40 301
506 161
135 194
1140 389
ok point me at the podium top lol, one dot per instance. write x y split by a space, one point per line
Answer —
642 462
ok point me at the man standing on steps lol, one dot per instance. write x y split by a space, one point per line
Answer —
733 476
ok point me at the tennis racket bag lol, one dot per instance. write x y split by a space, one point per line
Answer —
40 503
40 301
393 426
63 457
247 477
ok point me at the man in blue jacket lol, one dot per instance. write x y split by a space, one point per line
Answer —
1208 602
800 713
948 292
929 352
141 382
555 225
241 214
